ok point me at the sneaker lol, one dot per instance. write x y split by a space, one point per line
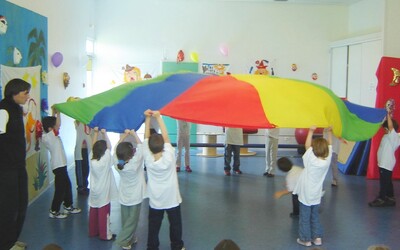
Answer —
390 201
178 169
21 244
317 242
334 183
188 169
304 243
227 173
127 247
378 202
72 210
237 171
268 174
57 215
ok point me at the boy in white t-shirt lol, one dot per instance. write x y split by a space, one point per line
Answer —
162 185
58 162
386 161
293 174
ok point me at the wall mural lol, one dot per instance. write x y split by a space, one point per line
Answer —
23 54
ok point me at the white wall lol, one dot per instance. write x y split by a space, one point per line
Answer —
68 26
366 17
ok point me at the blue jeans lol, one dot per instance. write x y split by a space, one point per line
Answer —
229 150
309 226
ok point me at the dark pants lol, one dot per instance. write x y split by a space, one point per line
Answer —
175 227
62 189
82 171
229 150
13 205
385 183
295 203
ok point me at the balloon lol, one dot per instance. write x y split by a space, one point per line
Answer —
224 49
194 56
57 59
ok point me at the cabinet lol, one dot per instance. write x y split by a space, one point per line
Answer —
353 67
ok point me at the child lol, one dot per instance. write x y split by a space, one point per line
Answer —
132 187
334 161
102 186
386 162
317 159
58 161
163 186
293 174
183 142
233 141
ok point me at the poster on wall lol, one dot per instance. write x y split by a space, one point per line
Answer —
215 68
23 54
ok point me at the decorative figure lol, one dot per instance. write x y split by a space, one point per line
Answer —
314 76
131 73
66 79
180 57
147 76
3 25
261 67
396 77
17 56
57 59
294 67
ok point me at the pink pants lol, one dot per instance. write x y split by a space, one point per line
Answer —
99 222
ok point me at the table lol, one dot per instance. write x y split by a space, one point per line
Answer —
211 138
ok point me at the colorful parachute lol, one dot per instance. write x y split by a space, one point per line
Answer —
247 101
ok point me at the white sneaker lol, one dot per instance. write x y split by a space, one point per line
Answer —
72 210
57 215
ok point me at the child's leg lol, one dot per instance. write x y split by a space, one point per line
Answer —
227 157
304 223
175 227
68 189
59 188
187 150
85 168
236 157
316 227
334 168
104 222
93 222
385 177
129 219
155 219
295 203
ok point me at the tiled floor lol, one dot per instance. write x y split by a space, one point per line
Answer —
241 208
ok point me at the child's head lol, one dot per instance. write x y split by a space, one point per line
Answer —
99 148
125 151
385 125
284 164
48 123
156 143
320 147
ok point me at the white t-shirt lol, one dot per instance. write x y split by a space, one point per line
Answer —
309 185
3 120
162 184
102 183
234 136
388 146
132 185
57 153
292 177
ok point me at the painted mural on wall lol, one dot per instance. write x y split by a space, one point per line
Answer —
215 68
23 54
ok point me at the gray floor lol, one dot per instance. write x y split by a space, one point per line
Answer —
241 208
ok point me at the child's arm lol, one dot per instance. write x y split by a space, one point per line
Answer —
279 194
137 139
389 121
95 135
163 128
105 136
329 138
147 114
123 136
309 137
56 113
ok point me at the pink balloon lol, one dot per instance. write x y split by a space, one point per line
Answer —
224 49
57 59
